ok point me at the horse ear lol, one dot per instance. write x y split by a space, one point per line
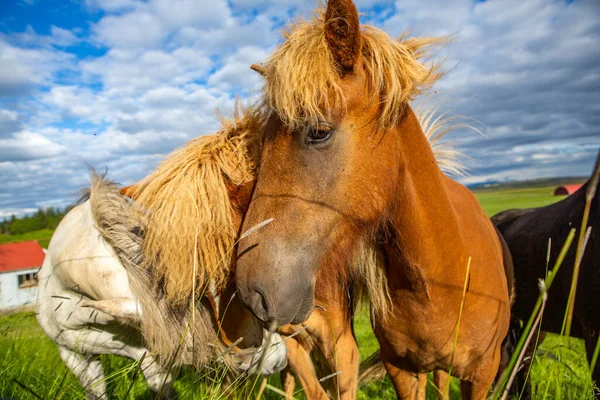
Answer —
342 32
260 69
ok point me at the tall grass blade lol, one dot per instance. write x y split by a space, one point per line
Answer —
544 295
135 375
327 377
568 318
595 356
455 344
28 389
502 387
261 390
59 389
280 392
589 196
255 228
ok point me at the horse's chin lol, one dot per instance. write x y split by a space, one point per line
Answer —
302 316
272 354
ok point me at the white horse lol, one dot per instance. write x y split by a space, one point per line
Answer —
86 305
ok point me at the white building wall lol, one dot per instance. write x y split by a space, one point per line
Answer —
10 294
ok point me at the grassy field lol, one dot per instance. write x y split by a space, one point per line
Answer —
30 367
42 236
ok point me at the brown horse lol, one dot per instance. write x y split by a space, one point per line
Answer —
345 165
206 186
329 328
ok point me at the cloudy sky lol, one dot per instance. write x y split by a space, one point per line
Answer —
120 83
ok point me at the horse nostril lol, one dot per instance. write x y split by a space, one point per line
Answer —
259 304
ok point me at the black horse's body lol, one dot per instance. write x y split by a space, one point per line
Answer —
527 232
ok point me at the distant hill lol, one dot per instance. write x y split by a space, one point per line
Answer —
539 182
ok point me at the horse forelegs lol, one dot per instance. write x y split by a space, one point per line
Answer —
289 382
408 385
477 388
88 369
441 380
302 366
343 358
157 378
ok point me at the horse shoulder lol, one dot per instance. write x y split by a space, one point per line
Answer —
481 239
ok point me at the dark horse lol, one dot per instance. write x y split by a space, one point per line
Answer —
527 231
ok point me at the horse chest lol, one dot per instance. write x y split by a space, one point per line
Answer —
422 335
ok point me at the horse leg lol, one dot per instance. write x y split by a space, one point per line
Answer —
334 337
302 366
343 359
408 385
441 379
478 386
157 378
288 381
88 369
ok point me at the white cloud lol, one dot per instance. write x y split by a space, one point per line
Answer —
139 29
178 13
9 123
23 69
235 73
24 146
112 5
527 71
131 73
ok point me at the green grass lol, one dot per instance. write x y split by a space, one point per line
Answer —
495 200
28 358
30 367
42 236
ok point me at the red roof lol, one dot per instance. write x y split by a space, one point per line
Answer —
16 256
567 189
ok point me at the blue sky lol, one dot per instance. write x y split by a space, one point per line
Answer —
120 83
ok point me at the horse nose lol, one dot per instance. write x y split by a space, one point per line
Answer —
260 306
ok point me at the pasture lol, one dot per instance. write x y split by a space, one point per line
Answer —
42 236
30 367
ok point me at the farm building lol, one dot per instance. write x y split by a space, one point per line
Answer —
567 190
19 265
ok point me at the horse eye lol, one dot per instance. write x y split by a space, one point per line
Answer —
318 134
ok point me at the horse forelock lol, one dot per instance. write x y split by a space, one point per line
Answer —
187 214
301 77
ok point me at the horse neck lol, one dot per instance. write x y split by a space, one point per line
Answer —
423 224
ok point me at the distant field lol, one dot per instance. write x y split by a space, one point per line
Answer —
29 361
495 200
42 236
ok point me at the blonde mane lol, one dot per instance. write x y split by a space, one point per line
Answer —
187 215
435 126
301 77
165 328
